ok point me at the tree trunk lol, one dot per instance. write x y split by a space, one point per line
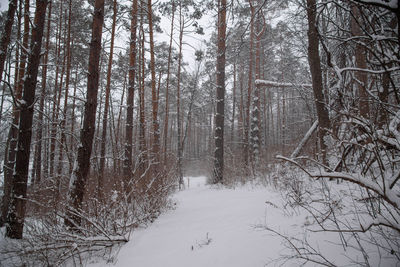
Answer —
63 146
6 34
39 134
13 132
178 97
16 214
220 113
233 106
255 123
361 63
142 120
155 158
56 97
130 100
316 74
167 85
249 90
100 184
82 164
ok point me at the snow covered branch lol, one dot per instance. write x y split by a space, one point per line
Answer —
278 84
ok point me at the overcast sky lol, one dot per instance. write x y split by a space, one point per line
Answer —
3 5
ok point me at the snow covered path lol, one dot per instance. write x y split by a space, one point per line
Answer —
228 217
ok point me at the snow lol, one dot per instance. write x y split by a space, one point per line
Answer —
210 227
391 4
278 84
218 226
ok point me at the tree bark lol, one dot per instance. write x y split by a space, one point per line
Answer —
178 97
63 146
155 158
316 74
13 132
130 100
82 164
361 63
56 97
167 85
16 214
142 119
6 34
249 90
220 113
39 134
100 184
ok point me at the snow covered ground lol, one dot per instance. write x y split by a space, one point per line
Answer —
209 227
214 226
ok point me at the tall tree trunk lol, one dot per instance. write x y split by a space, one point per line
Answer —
178 97
233 105
13 132
249 90
72 139
100 184
361 63
220 113
142 120
167 85
56 97
130 99
316 74
241 104
16 214
39 134
82 164
63 146
155 158
255 123
6 34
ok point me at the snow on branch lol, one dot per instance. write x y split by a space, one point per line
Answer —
382 190
303 141
278 84
388 4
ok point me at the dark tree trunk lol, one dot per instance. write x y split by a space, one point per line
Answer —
178 98
143 163
6 34
38 149
130 99
155 148
13 132
249 91
167 85
361 63
82 164
106 106
63 146
316 74
16 214
220 113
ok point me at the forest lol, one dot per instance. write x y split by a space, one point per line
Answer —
109 108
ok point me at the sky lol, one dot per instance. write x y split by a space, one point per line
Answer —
3 5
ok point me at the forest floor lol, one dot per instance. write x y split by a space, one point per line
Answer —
213 226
